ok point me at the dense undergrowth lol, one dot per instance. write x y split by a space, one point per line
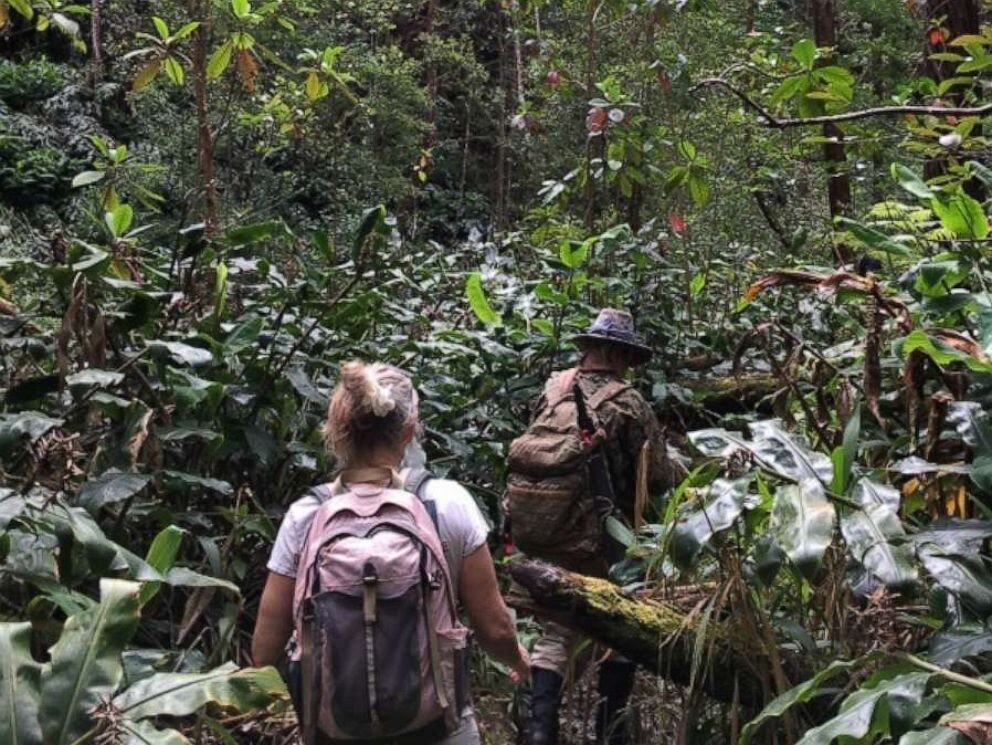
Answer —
206 207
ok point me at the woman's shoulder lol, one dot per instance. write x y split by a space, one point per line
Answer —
453 499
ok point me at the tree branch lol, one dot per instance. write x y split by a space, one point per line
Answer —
777 123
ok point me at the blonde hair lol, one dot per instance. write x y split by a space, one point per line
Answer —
371 407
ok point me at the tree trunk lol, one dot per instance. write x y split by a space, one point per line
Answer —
824 16
654 634
948 20
205 139
96 42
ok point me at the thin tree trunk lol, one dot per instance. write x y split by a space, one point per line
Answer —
948 20
96 42
593 143
205 138
824 17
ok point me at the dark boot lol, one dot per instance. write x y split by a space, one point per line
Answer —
545 701
616 680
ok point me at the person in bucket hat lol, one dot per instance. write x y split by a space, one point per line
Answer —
632 443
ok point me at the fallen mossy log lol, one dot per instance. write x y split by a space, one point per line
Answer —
732 395
654 634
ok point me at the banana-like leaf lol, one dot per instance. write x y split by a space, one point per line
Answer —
870 533
971 422
143 733
968 713
12 505
725 501
955 536
19 690
786 455
86 662
181 694
802 523
867 492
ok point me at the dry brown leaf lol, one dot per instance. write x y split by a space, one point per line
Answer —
979 733
247 69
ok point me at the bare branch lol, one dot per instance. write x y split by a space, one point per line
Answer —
848 116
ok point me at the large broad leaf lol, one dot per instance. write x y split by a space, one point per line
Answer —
962 216
867 492
967 577
972 423
161 557
873 534
800 694
86 662
111 487
803 524
478 302
935 736
784 454
25 427
12 505
181 694
864 714
955 536
939 351
180 354
717 443
19 686
959 643
724 503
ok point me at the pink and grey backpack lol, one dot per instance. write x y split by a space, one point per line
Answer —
383 655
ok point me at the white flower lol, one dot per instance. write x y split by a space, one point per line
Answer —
950 140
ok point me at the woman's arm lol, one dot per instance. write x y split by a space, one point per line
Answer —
488 614
275 620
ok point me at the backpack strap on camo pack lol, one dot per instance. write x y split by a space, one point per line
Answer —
416 483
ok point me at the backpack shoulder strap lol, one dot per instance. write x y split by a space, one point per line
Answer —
416 483
609 391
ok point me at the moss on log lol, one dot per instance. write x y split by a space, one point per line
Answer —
654 634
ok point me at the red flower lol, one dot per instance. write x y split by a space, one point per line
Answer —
676 223
554 78
935 36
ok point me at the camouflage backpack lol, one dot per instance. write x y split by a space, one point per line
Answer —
553 515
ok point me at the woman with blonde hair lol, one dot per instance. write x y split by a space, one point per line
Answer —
367 574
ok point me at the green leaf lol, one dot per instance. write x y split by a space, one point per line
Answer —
240 8
863 716
187 29
696 284
86 662
478 302
911 182
969 713
243 336
941 353
573 254
696 525
146 75
802 523
619 531
119 219
220 290
23 7
247 234
161 27
873 239
867 492
373 222
870 533
19 680
220 60
847 453
161 557
182 694
966 577
26 427
799 694
779 451
144 733
959 643
87 177
935 736
174 70
180 353
971 421
85 380
962 216
111 487
804 52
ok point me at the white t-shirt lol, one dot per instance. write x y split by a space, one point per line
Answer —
460 524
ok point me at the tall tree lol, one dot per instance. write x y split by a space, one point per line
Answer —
823 14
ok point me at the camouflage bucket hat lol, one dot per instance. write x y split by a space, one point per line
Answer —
617 327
